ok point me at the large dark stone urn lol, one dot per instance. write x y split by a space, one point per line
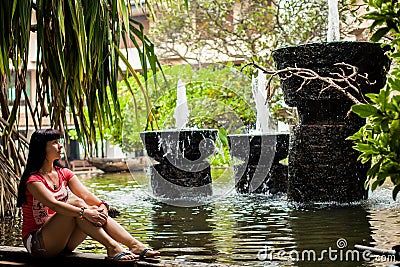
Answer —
182 171
323 165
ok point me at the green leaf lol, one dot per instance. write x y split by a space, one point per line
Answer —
223 136
364 110
186 2
395 191
385 125
366 148
374 185
379 34
394 83
374 169
372 97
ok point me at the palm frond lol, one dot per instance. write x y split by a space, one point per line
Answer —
77 69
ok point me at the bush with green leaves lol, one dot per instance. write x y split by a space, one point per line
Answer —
378 140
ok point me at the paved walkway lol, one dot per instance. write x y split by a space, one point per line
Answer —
18 256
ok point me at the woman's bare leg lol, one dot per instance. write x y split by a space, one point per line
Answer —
119 234
74 231
77 237
113 228
100 235
57 232
60 232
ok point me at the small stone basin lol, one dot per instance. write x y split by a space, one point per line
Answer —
183 146
249 146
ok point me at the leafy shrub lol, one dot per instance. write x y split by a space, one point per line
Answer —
378 140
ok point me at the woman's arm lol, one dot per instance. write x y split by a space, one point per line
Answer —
41 193
82 192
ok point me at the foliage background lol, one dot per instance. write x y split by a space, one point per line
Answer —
241 30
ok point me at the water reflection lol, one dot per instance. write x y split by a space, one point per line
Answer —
241 229
323 235
10 231
384 218
184 233
248 224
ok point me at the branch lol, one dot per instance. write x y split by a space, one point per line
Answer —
344 81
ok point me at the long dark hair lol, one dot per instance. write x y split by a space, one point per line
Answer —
36 157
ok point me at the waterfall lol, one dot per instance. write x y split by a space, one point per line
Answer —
181 112
259 95
333 33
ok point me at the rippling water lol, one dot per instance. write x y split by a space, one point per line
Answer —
254 230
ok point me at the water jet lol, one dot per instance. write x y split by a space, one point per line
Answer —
181 175
260 151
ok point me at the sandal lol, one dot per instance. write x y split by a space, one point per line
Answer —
118 256
142 255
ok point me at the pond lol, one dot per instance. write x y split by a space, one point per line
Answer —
245 230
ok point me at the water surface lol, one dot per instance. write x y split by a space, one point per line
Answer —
255 230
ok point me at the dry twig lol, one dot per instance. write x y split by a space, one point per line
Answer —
344 81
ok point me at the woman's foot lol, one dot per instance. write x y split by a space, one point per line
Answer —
117 253
143 252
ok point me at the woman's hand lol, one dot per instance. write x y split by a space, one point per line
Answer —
104 209
104 206
96 216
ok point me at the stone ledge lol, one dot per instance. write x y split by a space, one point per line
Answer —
18 256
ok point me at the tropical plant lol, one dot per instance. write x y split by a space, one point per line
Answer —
378 140
78 51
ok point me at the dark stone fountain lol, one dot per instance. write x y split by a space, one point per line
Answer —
323 165
259 170
182 171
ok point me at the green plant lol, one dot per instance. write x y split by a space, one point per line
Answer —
386 18
378 140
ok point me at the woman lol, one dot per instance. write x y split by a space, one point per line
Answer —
51 223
